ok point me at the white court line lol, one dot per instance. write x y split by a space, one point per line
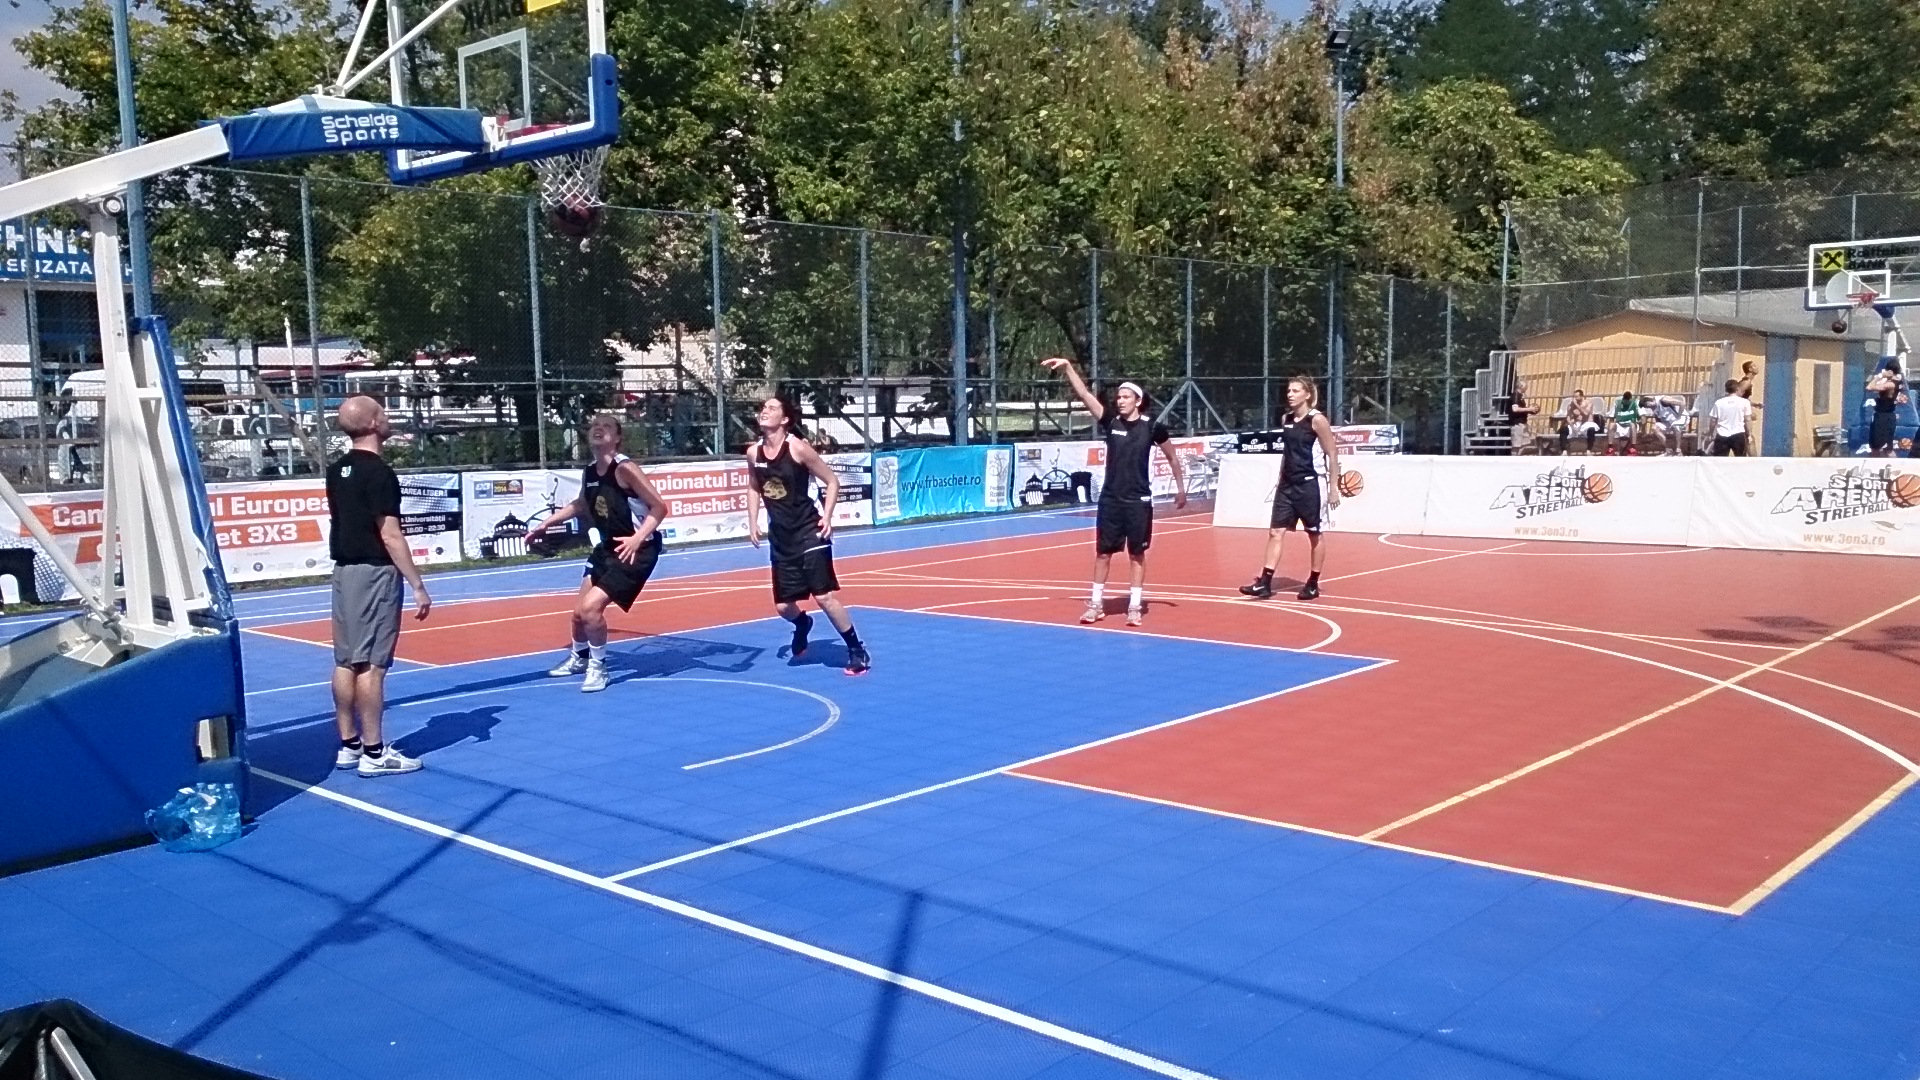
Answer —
1716 685
1528 620
1082 542
739 545
833 717
934 991
1333 635
1546 554
982 775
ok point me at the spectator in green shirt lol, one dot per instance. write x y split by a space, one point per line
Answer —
1626 424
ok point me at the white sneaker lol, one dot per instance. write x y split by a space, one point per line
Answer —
391 762
596 679
1136 616
1094 613
347 758
574 664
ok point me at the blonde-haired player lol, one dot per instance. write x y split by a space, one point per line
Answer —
1308 488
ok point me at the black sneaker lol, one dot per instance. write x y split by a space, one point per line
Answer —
858 661
1261 589
1310 591
800 628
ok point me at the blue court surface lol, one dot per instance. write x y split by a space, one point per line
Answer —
735 864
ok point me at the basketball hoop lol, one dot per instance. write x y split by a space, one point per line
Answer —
1863 299
571 181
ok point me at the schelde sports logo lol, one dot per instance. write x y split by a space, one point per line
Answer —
1851 493
378 127
1554 490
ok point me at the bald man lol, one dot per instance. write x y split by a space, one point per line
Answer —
370 557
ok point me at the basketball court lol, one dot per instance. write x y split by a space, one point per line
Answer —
1451 819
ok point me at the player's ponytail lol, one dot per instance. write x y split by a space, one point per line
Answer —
1308 385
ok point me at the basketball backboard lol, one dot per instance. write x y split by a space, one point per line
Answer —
1840 274
537 72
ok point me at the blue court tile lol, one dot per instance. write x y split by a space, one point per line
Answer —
1431 1059
898 1025
1209 1023
1783 940
1874 958
1317 1045
1895 995
993 1050
1766 1055
1646 1026
1117 996
1844 1027
1420 989
761 1036
827 996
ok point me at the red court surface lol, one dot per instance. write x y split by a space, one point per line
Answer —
1688 725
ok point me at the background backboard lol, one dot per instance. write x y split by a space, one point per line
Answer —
1890 268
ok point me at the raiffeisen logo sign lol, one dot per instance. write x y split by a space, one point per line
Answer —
1555 490
1850 493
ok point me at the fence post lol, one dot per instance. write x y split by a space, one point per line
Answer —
1446 423
539 356
866 354
41 406
1853 216
1699 238
313 322
1187 391
993 362
1266 347
719 363
1739 255
1506 245
1390 290
1093 335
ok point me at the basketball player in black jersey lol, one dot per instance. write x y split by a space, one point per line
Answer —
1308 489
1125 517
617 499
780 469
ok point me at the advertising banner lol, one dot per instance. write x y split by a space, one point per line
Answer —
1808 504
1064 473
1608 500
1378 495
942 480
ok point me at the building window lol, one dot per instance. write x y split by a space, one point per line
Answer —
1822 389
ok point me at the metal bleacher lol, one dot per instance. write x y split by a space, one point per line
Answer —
1689 370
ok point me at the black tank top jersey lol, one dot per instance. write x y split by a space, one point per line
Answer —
793 521
1129 445
1302 462
615 511
1886 401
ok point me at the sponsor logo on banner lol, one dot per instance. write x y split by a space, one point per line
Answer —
886 487
1555 490
1851 493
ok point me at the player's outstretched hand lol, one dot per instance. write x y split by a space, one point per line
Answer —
628 547
1056 363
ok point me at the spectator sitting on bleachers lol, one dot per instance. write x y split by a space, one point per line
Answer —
1577 419
1626 424
1669 421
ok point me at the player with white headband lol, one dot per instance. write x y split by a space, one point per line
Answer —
1125 518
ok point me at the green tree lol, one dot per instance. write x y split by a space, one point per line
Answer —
1769 88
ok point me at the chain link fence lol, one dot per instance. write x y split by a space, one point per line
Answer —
491 337
1713 250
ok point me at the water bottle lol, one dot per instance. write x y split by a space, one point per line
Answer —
197 818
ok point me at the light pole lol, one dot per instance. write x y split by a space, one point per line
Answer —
130 138
960 420
1338 40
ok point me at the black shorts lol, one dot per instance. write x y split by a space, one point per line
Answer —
622 581
1123 523
1298 504
809 573
1730 445
1880 436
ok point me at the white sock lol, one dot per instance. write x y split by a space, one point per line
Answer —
579 648
597 652
1134 602
1099 594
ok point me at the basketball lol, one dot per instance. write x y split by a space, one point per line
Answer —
1839 326
1904 490
1597 488
575 219
1351 483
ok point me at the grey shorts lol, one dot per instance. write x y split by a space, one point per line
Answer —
366 615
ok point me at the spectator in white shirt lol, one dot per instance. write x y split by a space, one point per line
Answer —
1728 422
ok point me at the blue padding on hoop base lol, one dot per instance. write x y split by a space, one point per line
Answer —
88 751
603 127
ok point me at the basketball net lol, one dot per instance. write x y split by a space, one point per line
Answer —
1863 299
571 180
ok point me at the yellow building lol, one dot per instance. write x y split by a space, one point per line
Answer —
1806 377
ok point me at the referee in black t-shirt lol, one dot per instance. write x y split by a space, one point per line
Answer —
370 557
